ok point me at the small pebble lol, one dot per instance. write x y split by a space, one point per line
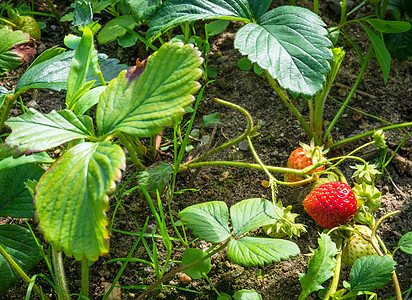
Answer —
243 145
185 279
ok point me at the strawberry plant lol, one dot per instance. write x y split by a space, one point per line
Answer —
110 110
90 168
334 206
290 43
209 222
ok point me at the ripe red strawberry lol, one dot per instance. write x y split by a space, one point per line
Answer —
303 157
356 246
331 204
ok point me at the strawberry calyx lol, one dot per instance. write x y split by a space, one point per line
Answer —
365 173
285 226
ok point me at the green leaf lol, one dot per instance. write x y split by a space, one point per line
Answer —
290 43
191 255
15 199
20 245
79 67
83 14
53 73
128 40
399 44
35 132
10 60
71 199
371 272
3 93
89 99
46 55
216 27
258 251
382 54
223 296
50 74
143 10
389 26
112 30
320 267
259 7
11 162
211 119
143 100
209 220
175 12
250 214
244 64
246 294
405 243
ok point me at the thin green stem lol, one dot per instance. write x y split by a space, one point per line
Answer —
178 156
57 15
181 269
352 92
21 273
7 22
290 105
272 179
239 164
204 275
132 153
360 136
101 78
342 12
6 107
236 140
376 247
257 158
312 111
57 261
85 278
318 112
336 271
316 6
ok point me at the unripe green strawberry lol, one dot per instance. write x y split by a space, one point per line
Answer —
29 25
303 157
356 246
331 204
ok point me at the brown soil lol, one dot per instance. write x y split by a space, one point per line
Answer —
279 135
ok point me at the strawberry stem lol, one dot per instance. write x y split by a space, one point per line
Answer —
336 271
